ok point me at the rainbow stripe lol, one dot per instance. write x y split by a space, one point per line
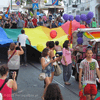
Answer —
96 35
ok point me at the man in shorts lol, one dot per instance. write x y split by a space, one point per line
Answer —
89 67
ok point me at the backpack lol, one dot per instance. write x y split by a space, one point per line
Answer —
6 80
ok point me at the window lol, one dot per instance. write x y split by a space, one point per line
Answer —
82 8
73 11
78 1
70 2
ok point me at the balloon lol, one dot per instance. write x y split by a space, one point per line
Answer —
71 18
77 18
53 34
80 34
83 17
88 21
90 15
79 40
40 47
6 15
82 26
0 17
65 17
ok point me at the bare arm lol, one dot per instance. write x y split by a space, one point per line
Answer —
29 41
80 76
14 86
98 72
21 51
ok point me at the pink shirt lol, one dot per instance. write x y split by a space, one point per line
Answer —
67 54
6 91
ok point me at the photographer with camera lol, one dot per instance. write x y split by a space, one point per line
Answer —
22 39
6 85
14 59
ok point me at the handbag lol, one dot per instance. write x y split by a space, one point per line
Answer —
42 76
58 70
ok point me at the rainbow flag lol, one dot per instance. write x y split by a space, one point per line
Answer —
70 32
96 35
8 10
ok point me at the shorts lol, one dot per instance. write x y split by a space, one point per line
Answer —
59 53
89 89
47 73
52 68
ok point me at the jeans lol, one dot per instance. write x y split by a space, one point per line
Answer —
67 72
24 56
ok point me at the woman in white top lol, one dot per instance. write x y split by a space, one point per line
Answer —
14 62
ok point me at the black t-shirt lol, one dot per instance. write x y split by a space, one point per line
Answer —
7 25
14 25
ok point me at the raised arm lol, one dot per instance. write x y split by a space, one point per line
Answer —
29 41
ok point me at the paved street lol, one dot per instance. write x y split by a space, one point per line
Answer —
30 88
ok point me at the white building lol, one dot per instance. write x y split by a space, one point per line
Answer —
83 7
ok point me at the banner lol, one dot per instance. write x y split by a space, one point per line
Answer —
54 2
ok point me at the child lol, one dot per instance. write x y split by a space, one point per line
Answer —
90 67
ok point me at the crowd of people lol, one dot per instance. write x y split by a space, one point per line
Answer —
49 59
19 20
49 62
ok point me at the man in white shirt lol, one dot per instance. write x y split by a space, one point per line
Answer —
22 39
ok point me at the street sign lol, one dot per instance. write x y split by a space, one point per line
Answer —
18 2
54 2
35 6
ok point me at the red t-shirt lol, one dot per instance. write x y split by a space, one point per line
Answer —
26 23
34 21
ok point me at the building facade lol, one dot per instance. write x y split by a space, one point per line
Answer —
77 7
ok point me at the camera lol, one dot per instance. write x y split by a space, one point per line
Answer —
18 43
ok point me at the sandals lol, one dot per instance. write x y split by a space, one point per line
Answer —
66 83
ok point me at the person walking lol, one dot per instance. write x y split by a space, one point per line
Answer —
66 62
90 68
14 59
52 56
9 84
46 68
22 39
